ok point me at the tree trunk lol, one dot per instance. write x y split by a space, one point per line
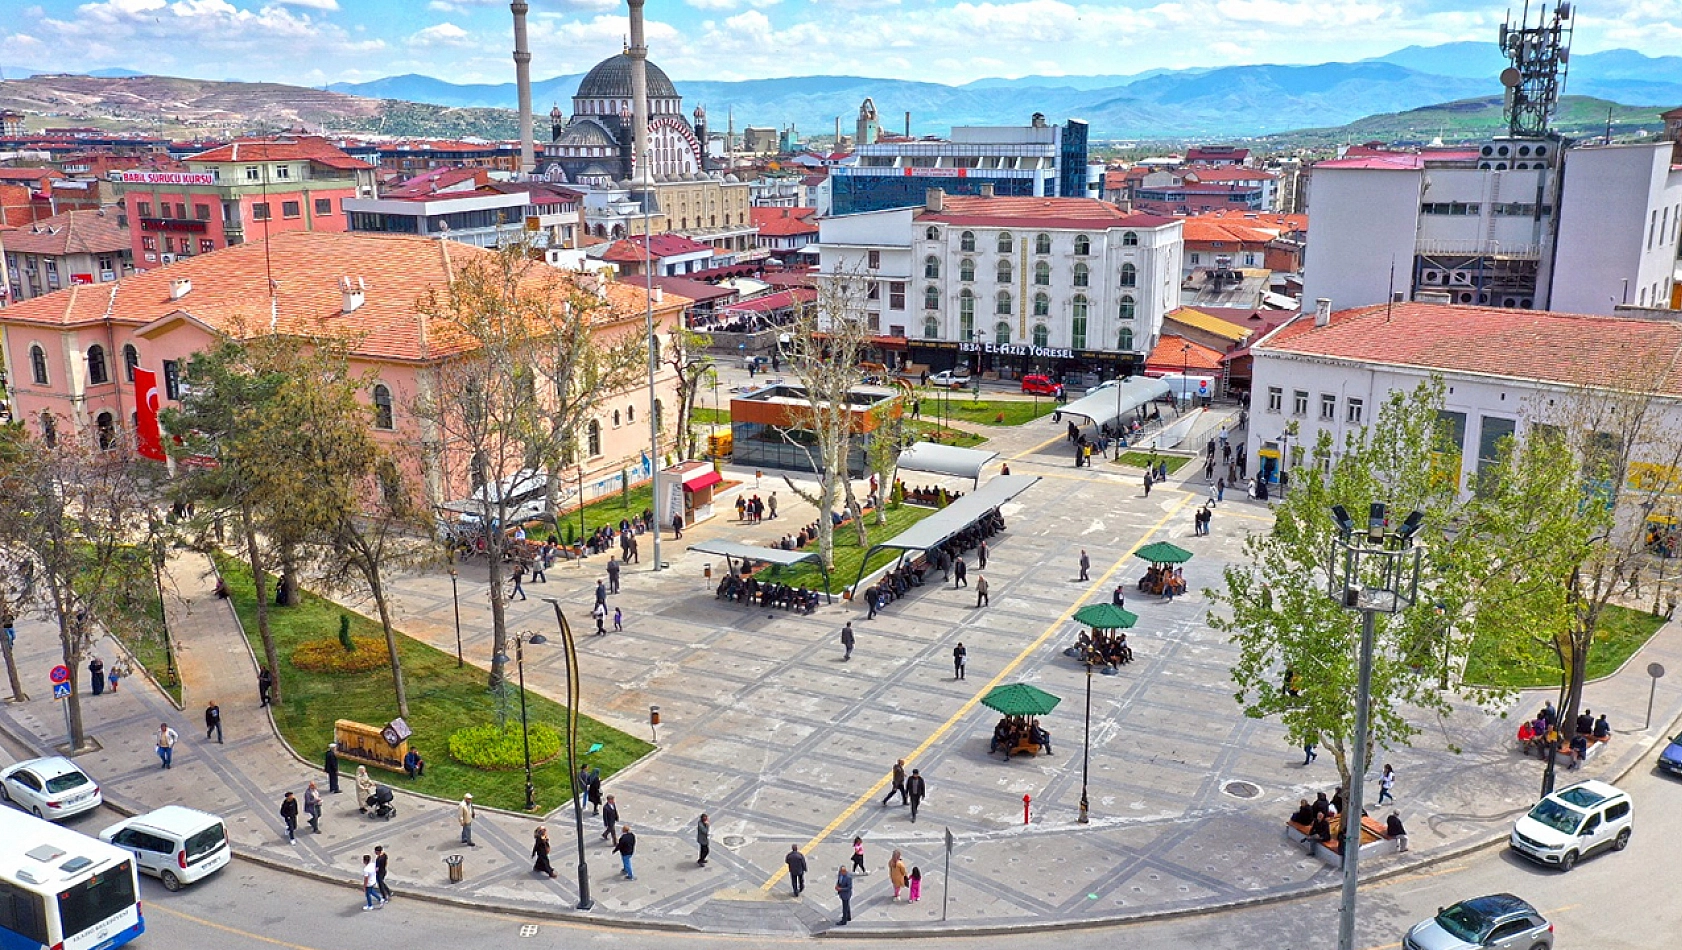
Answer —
499 617
18 695
254 556
286 592
390 643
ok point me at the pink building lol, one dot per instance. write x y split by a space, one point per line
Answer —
74 352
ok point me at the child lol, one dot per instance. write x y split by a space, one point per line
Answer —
916 884
117 672
858 856
618 620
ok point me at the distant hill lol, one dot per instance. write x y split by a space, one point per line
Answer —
1471 120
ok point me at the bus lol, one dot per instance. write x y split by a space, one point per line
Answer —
62 890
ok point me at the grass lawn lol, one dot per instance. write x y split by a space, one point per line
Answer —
705 417
607 510
442 699
932 432
150 651
1622 632
961 407
1142 459
848 554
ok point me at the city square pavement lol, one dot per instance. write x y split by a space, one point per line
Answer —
782 743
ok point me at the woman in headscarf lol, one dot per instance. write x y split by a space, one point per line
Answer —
896 872
364 788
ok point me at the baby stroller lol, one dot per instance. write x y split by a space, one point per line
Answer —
380 803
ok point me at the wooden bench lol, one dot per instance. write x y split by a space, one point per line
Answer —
1594 746
1331 852
1023 745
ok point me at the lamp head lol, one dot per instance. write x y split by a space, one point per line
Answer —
1345 524
1410 526
1378 519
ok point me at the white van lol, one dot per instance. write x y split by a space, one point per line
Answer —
1573 822
174 844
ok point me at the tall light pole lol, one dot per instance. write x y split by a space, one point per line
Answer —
525 724
1374 571
1086 743
653 354
455 601
571 651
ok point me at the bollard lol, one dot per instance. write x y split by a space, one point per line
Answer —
1025 802
707 571
453 863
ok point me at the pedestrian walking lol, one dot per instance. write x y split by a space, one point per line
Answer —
1220 490
594 784
847 636
981 591
1085 565
540 852
844 890
960 659
1387 785
370 884
677 526
899 785
1308 753
981 556
703 839
897 874
331 762
538 564
381 862
960 573
265 684
312 807
519 589
858 855
618 620
119 670
601 593
612 575
626 845
796 868
916 884
166 740
464 814
289 814
96 675
1147 483
213 722
610 820
599 612
916 788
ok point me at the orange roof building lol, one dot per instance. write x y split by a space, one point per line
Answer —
72 247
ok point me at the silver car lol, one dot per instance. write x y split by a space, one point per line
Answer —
1495 922
52 788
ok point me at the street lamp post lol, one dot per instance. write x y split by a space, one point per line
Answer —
653 357
570 648
1086 744
455 602
158 555
525 724
1375 571
1185 373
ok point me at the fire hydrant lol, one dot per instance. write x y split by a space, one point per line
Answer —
1026 800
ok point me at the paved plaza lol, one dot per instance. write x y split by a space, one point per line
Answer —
782 743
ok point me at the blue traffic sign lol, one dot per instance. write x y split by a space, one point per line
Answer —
61 690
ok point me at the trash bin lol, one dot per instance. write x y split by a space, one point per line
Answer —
453 862
707 571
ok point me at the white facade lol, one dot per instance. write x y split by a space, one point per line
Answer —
1635 262
874 245
1361 233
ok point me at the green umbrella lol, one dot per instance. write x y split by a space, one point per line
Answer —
1105 617
1020 699
1163 552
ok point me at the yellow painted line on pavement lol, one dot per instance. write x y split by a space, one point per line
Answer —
226 929
1096 586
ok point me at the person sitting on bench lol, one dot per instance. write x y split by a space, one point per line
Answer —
1304 815
1041 737
1002 738
1395 832
1602 728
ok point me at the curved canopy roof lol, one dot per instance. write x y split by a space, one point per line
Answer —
1114 402
945 459
611 79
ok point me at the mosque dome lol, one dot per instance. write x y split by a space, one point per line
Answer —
611 79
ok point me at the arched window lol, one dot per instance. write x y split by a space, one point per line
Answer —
1004 271
1130 239
966 241
38 364
1128 307
1042 305
382 407
1083 245
1042 244
1083 275
654 348
615 422
49 429
107 426
1129 275
1077 323
932 233
593 439
931 298
97 372
131 361
966 316
931 328
1003 304
1042 274
1124 340
1001 332
1004 242
1042 336
631 413
966 270
931 267
659 414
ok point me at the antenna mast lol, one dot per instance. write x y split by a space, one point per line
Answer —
1540 57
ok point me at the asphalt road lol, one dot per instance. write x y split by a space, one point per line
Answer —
1610 902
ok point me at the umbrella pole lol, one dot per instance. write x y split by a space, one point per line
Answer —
1086 744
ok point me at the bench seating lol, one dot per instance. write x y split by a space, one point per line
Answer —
1331 852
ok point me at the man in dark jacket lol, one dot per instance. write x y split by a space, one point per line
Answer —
844 890
915 789
610 818
331 761
626 845
289 814
213 722
796 868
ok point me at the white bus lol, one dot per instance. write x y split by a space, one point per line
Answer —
62 890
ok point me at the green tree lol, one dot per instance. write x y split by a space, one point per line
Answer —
687 356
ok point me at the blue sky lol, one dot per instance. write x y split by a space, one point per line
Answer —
319 41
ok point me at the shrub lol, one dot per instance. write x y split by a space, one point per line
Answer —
344 634
499 749
330 656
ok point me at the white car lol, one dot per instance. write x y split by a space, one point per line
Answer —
946 379
1101 387
175 844
1572 822
52 788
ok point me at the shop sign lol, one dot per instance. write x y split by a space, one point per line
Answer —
1016 349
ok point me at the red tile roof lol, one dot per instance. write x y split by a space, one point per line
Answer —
1209 173
1517 344
1399 161
1260 220
303 148
784 222
1171 356
776 301
631 249
71 232
29 174
697 290
457 180
1201 231
1039 213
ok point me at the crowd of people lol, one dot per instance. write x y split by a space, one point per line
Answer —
1319 817
751 591
1106 648
1540 734
1012 732
1164 579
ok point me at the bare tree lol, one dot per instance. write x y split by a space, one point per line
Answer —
687 356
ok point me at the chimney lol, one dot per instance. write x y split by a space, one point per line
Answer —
1322 311
659 295
986 189
908 123
354 294
935 200
180 287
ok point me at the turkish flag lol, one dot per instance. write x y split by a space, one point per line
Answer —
148 437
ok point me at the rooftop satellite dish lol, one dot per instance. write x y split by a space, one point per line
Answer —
1511 77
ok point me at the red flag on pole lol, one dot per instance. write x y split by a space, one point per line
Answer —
148 437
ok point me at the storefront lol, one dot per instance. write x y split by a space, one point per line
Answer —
689 488
1012 361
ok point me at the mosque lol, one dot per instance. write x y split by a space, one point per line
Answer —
595 147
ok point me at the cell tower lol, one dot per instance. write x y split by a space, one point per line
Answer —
1540 55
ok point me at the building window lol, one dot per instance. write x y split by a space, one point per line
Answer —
206 245
107 426
931 267
1194 260
323 206
1083 275
1355 410
1004 242
931 298
1328 406
1042 244
1128 307
896 295
1083 245
931 328
966 316
873 260
1275 399
615 419
260 211
172 380
201 212
131 361
1002 305
1124 340
282 171
1077 324
38 364
1299 402
1042 274
1042 336
659 414
593 439
1129 275
931 233
1004 271
97 372
1042 305
382 407
144 208
148 243
966 241
290 209
1130 239
1001 332
253 173
966 270
630 413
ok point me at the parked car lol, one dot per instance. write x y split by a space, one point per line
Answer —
175 844
1496 922
1670 760
52 788
1104 386
1035 383
949 379
1574 822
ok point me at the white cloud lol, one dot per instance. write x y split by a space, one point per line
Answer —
730 4
442 34
328 5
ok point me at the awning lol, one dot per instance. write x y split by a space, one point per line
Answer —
945 460
1115 402
730 550
944 524
699 480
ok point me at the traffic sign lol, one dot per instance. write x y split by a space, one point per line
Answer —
60 674
61 690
